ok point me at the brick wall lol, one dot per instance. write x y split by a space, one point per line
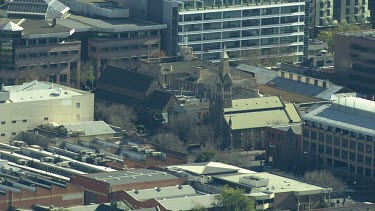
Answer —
63 197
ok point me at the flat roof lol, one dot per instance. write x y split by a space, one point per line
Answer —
131 176
345 117
163 192
85 24
91 128
36 91
188 203
277 184
42 28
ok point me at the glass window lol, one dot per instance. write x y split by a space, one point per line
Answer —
352 156
231 24
210 26
321 148
360 147
212 15
246 23
360 158
232 14
328 150
337 141
321 137
251 32
344 154
328 139
368 148
353 145
314 135
248 13
336 152
212 36
344 143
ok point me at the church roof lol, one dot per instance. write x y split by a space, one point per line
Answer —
10 26
260 112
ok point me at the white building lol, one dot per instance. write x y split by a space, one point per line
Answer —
23 107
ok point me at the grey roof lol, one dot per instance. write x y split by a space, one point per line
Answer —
188 203
164 192
131 176
347 117
41 28
271 78
263 75
84 24
91 128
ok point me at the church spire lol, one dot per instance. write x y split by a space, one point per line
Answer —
224 68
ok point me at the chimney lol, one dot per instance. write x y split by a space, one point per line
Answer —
54 22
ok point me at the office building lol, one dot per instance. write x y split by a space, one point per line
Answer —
246 28
36 49
354 60
23 107
340 135
351 11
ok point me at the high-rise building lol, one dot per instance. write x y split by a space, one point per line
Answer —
351 11
246 27
321 15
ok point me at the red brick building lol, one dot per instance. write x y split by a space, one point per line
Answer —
71 195
100 187
283 146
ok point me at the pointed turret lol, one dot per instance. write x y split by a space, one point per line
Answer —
224 68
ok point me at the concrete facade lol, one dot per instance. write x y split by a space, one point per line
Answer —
354 63
33 108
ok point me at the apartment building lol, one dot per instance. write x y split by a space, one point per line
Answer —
25 106
321 15
354 60
351 11
246 28
340 135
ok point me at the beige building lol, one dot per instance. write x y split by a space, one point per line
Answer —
321 15
23 107
340 136
351 11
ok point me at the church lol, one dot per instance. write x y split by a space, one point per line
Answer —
241 122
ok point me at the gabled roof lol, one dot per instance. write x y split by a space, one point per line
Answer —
10 26
128 79
158 99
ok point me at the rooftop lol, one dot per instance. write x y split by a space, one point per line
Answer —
188 203
91 128
131 176
293 83
163 192
48 9
36 91
260 112
84 24
33 28
208 168
363 34
350 113
276 184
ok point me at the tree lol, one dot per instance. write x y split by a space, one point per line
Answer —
231 199
169 141
198 207
325 178
87 74
180 126
116 114
328 36
36 73
205 156
201 134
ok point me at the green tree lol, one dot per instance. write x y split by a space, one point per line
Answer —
328 36
87 74
205 156
231 199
